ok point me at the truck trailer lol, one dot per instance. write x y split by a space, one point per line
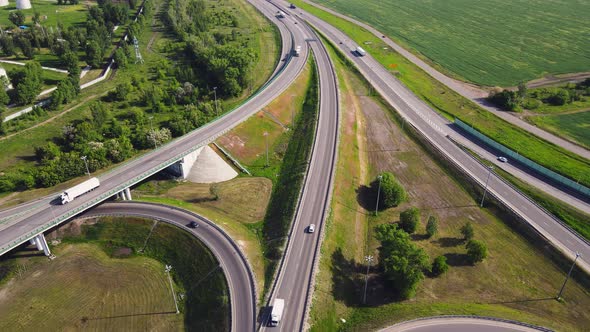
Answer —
297 50
277 312
359 50
78 190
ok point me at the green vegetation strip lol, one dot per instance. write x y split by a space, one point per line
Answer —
286 191
494 42
451 104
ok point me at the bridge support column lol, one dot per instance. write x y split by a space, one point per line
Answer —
128 194
42 244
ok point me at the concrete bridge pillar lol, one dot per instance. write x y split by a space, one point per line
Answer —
42 244
128 194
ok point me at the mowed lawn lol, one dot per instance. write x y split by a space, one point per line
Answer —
85 289
67 15
493 42
575 126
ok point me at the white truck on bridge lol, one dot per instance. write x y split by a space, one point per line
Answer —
78 190
277 312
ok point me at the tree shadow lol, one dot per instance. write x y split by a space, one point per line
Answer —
419 237
523 300
457 259
447 242
347 286
367 197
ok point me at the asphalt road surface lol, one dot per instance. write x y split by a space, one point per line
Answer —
435 129
21 223
240 279
458 325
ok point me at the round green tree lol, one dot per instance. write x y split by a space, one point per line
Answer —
409 220
439 266
477 251
392 193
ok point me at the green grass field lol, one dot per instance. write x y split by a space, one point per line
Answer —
575 126
67 15
516 281
84 289
494 43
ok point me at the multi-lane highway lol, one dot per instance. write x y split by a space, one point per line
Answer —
238 274
295 277
462 324
21 223
434 128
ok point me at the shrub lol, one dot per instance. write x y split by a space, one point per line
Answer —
431 226
439 266
477 251
409 220
467 231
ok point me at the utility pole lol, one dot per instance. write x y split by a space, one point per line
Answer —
168 268
378 192
266 139
215 94
486 186
86 164
568 276
368 259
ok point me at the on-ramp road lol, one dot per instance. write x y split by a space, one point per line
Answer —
460 324
238 274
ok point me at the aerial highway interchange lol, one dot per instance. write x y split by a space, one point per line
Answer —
294 281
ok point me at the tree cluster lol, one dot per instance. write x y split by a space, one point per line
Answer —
402 262
27 82
531 99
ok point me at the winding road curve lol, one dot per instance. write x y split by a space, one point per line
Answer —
462 324
238 274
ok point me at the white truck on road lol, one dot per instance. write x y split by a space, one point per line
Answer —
297 50
277 312
78 190
359 50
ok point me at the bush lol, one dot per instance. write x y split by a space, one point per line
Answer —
409 220
561 97
392 193
477 251
531 104
431 226
439 266
467 231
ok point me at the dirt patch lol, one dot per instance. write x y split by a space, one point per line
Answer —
122 252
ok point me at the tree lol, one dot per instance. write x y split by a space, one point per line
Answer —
27 82
477 251
439 266
121 58
7 44
36 17
25 46
409 220
100 114
403 263
506 100
522 91
431 226
94 53
560 97
392 193
17 17
69 59
467 231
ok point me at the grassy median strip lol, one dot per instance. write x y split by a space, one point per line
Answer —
451 104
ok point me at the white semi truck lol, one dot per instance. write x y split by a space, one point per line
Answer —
277 312
359 50
78 190
297 50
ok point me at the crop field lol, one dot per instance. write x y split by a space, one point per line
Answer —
493 43
83 288
66 14
575 126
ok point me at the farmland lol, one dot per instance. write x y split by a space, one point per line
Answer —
575 126
493 43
